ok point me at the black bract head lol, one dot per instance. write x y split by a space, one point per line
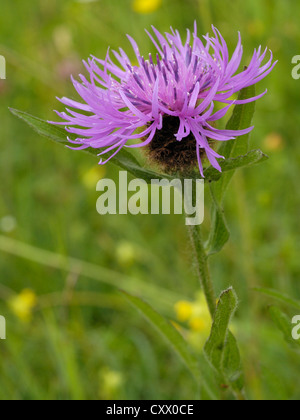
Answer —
171 155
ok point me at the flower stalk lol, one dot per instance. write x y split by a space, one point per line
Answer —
195 233
203 268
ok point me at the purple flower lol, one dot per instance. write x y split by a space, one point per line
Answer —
170 96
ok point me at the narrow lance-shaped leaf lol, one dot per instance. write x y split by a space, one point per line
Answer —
284 324
209 387
214 348
279 296
168 331
221 349
241 118
219 233
177 342
252 158
232 366
123 159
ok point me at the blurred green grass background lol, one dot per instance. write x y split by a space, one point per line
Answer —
70 335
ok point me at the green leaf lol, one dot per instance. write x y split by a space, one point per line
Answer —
232 363
209 387
278 296
50 131
252 158
237 156
219 233
221 349
177 343
284 324
123 159
168 331
241 118
214 348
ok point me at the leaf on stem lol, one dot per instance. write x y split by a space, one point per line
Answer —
123 159
251 158
237 155
221 349
219 233
241 118
284 324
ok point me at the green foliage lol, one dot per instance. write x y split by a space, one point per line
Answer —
95 272
241 118
219 233
168 331
126 160
200 371
123 159
111 351
221 348
281 319
283 323
230 165
281 297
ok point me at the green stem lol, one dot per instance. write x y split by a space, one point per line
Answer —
203 269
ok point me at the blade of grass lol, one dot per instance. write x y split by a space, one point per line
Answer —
278 296
86 269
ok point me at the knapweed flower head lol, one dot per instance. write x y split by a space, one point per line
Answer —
168 100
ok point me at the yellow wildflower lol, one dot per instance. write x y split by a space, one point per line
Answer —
126 253
184 310
91 178
274 142
199 324
146 6
110 384
197 317
22 305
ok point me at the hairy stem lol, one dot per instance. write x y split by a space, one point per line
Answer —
203 269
